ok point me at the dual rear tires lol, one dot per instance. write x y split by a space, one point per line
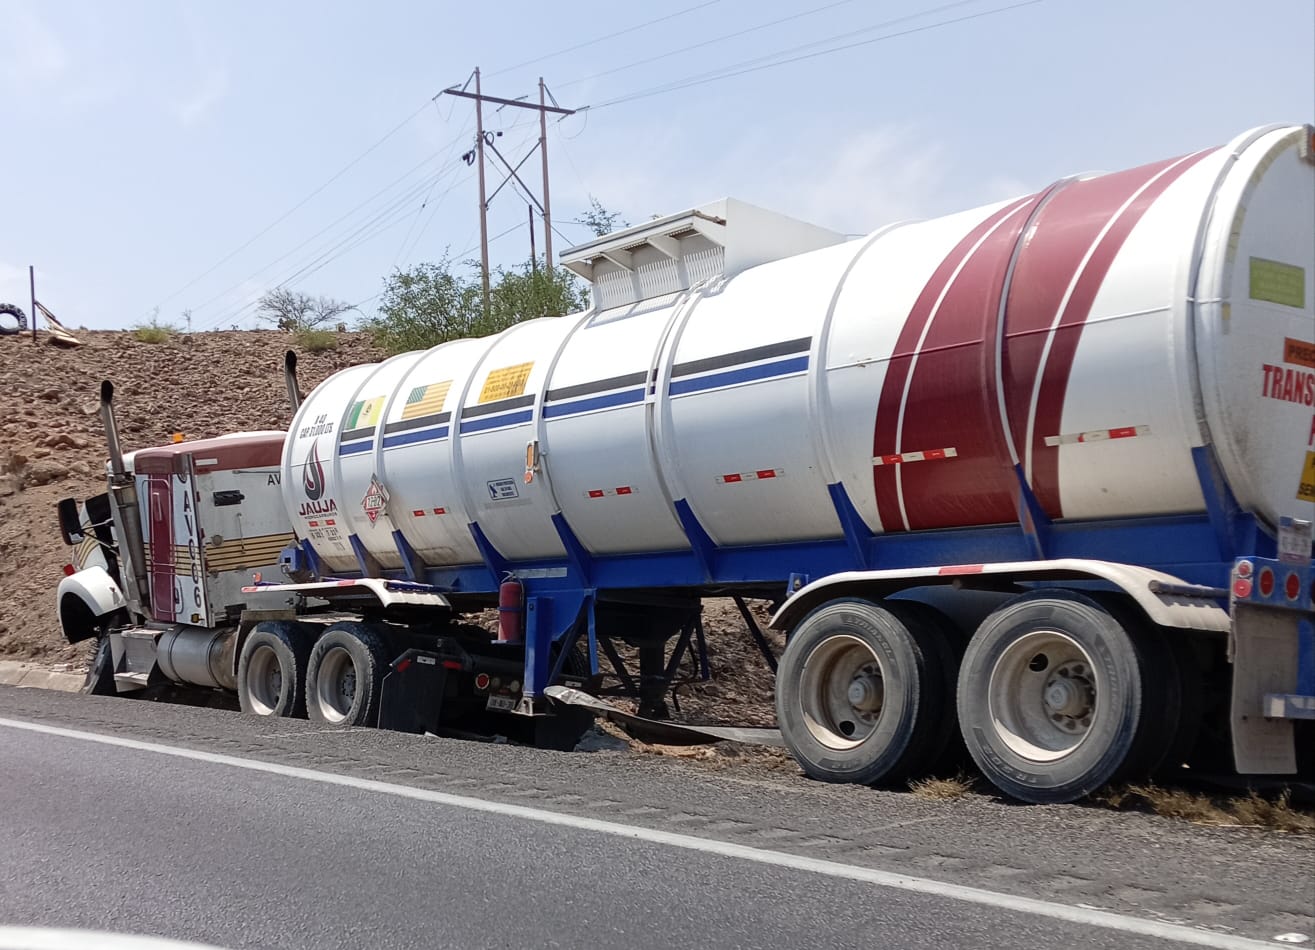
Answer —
336 678
1053 696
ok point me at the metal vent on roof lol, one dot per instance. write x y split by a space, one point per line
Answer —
672 253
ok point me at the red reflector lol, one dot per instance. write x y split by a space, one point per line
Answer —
623 491
418 512
482 681
1292 586
451 664
731 478
766 473
596 493
1126 432
403 664
1242 588
1266 582
69 570
961 569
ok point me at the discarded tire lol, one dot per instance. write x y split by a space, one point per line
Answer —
12 320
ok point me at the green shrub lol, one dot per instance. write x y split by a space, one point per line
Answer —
153 331
316 341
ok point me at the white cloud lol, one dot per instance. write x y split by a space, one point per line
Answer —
30 51
213 89
852 181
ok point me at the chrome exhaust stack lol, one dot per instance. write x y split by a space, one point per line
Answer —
123 490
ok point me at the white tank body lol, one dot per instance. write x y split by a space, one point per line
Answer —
1090 337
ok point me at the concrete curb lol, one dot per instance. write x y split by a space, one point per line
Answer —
13 673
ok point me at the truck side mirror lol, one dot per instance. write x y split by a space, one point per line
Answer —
70 525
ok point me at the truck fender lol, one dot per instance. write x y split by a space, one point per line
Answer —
85 599
1165 600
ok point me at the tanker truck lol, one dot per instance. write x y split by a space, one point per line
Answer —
1034 481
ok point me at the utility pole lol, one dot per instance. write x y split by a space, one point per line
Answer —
543 152
483 202
485 140
534 256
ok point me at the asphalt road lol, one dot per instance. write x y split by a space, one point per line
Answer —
204 825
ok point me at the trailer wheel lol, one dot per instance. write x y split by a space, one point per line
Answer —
860 693
345 675
271 672
9 312
1051 697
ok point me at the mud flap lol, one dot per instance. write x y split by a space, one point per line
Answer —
412 693
1264 654
670 733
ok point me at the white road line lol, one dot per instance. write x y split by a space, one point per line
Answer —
1108 920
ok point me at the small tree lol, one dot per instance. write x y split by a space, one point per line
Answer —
601 221
528 291
297 312
424 306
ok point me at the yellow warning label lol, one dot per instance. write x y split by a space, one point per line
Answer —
1306 490
505 382
1277 282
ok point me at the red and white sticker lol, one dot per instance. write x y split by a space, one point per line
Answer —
762 474
1097 435
926 455
422 512
609 492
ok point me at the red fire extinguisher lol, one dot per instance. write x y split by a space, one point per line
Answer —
511 610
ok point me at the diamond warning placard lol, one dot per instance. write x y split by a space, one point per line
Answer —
375 500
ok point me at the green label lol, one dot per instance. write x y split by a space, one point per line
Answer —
1278 283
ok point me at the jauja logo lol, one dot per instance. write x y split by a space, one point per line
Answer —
313 473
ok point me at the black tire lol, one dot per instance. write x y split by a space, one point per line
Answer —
858 644
271 672
345 675
1068 642
100 672
8 309
947 643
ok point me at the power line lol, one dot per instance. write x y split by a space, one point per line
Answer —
710 42
772 60
283 217
610 36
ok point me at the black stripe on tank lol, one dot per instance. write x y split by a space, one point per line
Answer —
419 422
598 386
786 348
499 405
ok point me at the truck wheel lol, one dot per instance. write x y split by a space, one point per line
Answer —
1051 697
860 696
567 725
8 313
345 675
100 672
271 672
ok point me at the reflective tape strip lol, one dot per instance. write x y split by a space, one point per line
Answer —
1097 435
609 492
756 476
926 455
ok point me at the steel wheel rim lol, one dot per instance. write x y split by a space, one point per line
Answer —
335 684
264 681
842 692
1044 696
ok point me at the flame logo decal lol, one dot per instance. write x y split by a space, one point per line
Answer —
312 478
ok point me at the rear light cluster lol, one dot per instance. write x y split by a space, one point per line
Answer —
1247 580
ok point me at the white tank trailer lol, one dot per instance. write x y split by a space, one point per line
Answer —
1038 476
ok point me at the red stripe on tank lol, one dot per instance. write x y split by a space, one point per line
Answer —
952 395
890 403
1138 189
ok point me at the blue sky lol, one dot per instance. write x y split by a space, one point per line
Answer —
145 143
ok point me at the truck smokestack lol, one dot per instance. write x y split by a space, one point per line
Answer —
123 489
290 377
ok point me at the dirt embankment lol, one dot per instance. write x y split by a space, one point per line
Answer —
206 384
52 444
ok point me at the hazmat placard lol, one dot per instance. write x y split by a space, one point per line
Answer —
505 382
1306 490
1277 282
